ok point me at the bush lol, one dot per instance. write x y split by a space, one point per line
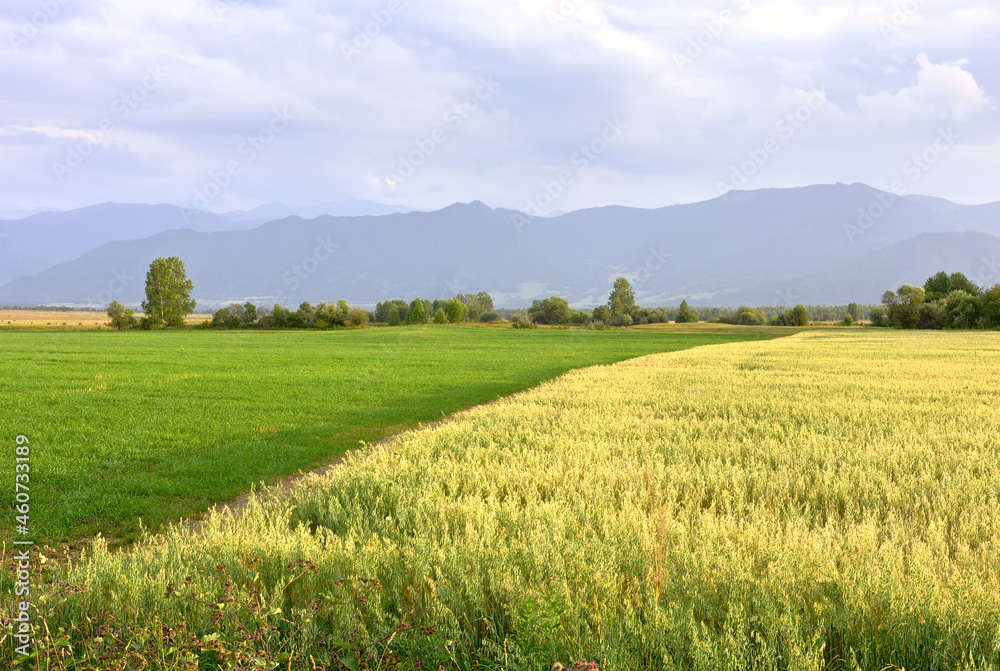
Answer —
224 318
521 322
553 311
122 318
489 317
358 317
747 316
148 323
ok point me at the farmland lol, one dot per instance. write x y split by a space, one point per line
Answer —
154 426
19 320
823 501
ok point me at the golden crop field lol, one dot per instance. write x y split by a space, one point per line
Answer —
66 320
830 500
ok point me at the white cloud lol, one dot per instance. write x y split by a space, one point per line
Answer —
943 91
559 83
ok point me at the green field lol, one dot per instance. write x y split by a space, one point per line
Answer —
827 501
160 425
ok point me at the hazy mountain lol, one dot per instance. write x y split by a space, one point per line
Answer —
350 207
866 278
710 250
29 246
11 215
986 217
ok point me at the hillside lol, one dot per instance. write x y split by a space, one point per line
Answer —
724 251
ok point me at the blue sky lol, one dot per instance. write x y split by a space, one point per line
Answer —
548 104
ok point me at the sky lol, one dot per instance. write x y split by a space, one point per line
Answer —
538 105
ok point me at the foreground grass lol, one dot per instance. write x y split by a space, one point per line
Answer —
159 425
826 501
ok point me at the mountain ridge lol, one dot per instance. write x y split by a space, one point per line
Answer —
743 241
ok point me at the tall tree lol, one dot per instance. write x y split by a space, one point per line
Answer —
456 311
416 315
798 316
685 315
903 305
621 301
168 292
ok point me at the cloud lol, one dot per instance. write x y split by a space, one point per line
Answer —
945 91
564 68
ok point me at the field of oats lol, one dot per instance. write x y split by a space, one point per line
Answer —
155 426
829 500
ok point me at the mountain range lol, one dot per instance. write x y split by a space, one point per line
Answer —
824 244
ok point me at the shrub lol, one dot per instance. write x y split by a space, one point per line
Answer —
521 322
358 317
122 318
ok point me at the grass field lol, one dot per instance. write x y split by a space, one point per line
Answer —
158 425
824 501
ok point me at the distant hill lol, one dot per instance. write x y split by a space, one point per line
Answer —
350 207
866 278
984 217
30 245
11 215
723 251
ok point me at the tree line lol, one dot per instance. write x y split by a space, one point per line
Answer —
168 302
944 301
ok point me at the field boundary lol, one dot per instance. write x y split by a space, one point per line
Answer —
283 486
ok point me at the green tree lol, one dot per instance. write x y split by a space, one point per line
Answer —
602 313
799 316
855 311
747 316
903 306
358 317
878 316
990 317
168 293
416 314
941 285
553 310
621 302
393 318
685 315
121 317
937 286
345 311
440 317
456 311
485 301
